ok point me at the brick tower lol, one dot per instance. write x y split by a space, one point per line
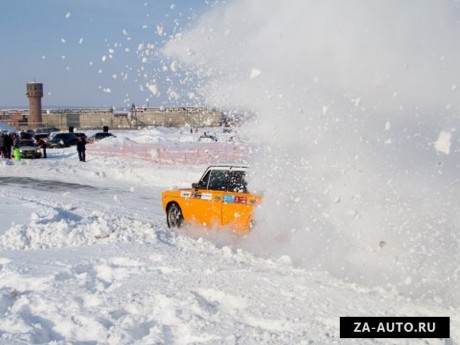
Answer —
35 94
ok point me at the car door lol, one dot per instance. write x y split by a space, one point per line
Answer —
206 199
237 203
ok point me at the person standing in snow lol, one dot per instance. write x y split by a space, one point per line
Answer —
2 145
16 152
8 145
41 143
81 148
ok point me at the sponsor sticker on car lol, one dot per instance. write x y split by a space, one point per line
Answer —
185 194
229 199
202 196
206 196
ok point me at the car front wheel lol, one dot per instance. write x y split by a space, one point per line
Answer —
174 216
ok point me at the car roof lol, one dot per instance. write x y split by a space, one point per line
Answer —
228 166
101 133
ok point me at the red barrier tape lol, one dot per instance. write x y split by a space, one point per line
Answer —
181 153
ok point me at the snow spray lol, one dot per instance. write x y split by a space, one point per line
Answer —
356 105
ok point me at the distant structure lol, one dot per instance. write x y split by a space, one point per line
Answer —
35 94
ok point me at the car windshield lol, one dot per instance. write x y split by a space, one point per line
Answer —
55 135
61 135
27 143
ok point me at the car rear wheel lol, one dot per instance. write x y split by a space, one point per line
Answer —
174 216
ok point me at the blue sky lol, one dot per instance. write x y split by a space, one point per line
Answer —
86 53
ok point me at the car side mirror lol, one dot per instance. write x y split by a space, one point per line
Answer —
195 185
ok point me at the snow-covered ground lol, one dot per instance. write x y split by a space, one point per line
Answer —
86 258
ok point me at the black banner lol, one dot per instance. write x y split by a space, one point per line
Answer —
394 327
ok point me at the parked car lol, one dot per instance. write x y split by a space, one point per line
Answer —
208 137
80 135
62 139
25 135
219 199
99 136
29 149
38 136
46 130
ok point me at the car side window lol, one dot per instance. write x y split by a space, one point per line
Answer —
237 182
217 180
224 180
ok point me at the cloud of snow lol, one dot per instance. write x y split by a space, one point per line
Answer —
349 108
153 88
442 144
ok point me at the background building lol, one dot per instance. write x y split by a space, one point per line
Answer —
35 94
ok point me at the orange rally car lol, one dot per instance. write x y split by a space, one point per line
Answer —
220 199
